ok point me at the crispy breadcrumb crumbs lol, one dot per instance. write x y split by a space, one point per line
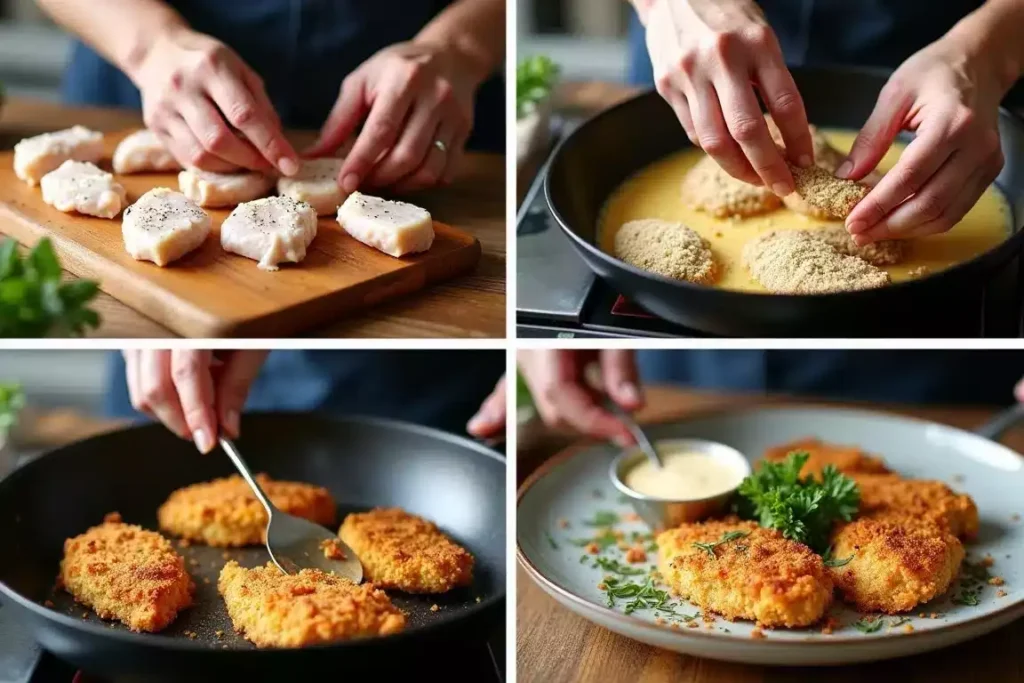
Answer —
757 634
434 608
636 554
996 581
332 549
1001 593
273 609
48 603
401 551
908 628
692 624
987 561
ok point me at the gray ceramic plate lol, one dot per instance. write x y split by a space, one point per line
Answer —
575 487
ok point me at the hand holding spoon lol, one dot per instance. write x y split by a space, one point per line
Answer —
641 439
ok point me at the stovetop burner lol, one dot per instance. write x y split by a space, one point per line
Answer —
558 296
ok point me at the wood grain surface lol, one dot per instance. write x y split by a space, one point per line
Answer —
553 645
210 293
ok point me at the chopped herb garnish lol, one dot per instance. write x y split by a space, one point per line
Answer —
898 621
969 597
616 567
728 536
641 596
603 518
584 558
603 540
869 624
834 561
551 540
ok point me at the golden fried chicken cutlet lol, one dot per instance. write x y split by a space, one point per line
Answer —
225 513
908 501
894 567
404 552
846 459
124 572
273 609
760 576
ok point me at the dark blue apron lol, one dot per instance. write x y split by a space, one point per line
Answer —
911 376
303 49
442 389
879 33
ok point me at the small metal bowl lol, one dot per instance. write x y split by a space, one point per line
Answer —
664 513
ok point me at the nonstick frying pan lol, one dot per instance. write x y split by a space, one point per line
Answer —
598 156
364 462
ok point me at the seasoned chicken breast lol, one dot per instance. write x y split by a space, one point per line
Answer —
163 226
35 157
271 231
83 187
222 190
316 183
395 228
142 152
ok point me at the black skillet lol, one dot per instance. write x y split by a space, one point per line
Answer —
363 462
613 145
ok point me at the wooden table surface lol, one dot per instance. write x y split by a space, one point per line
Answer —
470 306
556 646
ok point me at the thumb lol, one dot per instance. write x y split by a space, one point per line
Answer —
877 135
490 419
236 377
1018 391
343 120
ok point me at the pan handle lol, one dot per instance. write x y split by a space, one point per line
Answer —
1001 423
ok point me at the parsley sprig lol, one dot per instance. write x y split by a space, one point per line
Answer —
727 537
803 509
535 78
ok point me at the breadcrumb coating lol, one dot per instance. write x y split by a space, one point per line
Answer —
834 197
709 188
401 551
760 576
124 572
881 253
225 513
846 459
666 248
892 498
795 262
895 566
273 609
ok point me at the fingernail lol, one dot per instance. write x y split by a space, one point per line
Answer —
202 440
287 166
624 441
805 161
856 227
629 393
350 183
781 189
231 421
844 170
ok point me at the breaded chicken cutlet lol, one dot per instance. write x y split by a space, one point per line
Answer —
273 609
400 551
907 501
796 262
894 567
124 572
833 197
225 513
760 575
709 188
880 253
666 248
846 459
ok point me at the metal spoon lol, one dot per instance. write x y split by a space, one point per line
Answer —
295 543
641 439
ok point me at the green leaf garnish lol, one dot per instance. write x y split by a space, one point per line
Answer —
830 561
869 624
616 567
728 536
535 78
603 518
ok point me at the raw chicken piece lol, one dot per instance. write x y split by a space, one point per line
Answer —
396 228
142 152
35 157
163 226
219 190
85 188
272 231
316 183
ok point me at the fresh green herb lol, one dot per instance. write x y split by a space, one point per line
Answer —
728 536
804 509
616 567
651 547
968 596
551 541
898 621
535 78
603 518
869 624
584 558
830 561
604 540
34 302
725 630
623 499
641 596
12 400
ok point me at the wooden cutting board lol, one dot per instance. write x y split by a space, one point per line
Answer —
211 293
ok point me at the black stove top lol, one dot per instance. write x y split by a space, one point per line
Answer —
558 296
23 661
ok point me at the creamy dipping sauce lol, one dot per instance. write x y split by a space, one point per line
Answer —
684 476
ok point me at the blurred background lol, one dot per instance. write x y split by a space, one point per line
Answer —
32 50
586 38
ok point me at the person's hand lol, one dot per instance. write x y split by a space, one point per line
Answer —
490 421
951 100
563 397
412 96
708 58
209 108
194 393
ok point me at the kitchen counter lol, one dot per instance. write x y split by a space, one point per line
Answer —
468 306
553 644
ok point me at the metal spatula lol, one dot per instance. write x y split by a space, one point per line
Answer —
295 543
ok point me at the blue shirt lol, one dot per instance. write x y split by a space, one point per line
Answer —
302 49
883 376
877 33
